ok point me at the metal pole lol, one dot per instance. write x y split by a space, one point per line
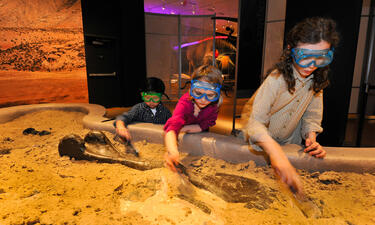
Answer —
179 57
236 71
365 76
213 41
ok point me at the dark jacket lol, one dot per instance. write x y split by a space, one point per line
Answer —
141 112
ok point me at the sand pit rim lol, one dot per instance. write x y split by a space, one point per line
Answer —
228 148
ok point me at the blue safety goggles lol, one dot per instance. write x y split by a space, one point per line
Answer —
198 88
307 57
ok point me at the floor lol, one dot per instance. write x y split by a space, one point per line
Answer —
224 123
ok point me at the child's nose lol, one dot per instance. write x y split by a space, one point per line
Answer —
204 100
312 66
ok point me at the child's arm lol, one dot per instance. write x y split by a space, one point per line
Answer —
121 130
256 112
172 128
126 118
280 163
172 156
311 125
192 128
257 133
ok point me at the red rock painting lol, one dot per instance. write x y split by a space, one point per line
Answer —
42 55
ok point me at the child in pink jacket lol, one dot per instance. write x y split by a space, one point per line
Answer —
196 110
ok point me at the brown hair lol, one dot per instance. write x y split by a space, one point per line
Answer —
208 73
309 31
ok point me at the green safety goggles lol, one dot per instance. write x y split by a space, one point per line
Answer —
151 96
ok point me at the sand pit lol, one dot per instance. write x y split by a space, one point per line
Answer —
37 186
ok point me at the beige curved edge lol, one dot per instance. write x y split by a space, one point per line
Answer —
223 147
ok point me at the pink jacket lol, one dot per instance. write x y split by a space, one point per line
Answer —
183 114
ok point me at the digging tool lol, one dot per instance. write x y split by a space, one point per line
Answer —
128 145
303 202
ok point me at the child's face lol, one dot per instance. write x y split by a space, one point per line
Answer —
152 99
204 92
307 71
152 105
203 102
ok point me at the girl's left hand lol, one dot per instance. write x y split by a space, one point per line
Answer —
313 147
192 128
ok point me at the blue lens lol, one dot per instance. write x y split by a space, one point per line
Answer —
308 57
197 94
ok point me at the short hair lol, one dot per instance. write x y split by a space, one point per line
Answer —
154 84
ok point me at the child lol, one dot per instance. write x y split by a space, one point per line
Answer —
288 106
151 110
196 110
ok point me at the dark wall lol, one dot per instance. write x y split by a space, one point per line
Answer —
115 51
337 95
250 46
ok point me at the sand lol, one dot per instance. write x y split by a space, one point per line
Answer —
37 186
24 87
42 64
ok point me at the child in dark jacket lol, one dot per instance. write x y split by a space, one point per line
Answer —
151 110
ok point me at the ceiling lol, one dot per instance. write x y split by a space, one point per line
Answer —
222 8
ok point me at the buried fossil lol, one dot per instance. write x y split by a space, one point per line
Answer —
230 187
32 131
96 146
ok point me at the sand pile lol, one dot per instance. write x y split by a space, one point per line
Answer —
37 186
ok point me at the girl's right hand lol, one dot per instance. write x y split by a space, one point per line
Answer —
281 165
171 160
288 175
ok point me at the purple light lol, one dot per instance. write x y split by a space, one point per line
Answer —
200 41
182 7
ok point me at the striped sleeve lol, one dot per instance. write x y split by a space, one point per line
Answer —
258 111
130 116
312 118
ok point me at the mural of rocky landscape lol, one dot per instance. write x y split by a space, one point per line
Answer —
42 56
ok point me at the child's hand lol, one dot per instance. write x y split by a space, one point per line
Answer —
281 165
288 175
313 147
124 133
171 160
